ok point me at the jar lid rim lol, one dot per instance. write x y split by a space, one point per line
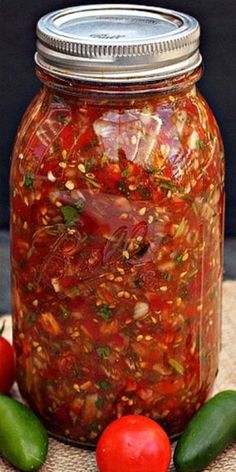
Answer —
118 43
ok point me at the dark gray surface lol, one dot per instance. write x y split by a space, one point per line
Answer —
230 258
4 273
230 268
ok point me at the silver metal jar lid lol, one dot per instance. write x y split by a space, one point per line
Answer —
117 43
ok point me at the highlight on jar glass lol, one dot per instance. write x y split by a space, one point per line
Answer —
117 223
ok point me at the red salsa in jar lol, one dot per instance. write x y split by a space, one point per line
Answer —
117 217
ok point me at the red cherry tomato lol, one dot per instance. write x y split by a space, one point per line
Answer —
133 443
7 365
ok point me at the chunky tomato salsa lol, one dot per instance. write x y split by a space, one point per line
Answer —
117 212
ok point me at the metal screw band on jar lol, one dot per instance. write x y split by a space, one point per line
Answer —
118 43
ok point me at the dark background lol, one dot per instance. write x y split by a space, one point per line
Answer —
18 83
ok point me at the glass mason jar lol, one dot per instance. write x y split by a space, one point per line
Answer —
116 222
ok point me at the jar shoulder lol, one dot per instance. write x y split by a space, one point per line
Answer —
173 134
